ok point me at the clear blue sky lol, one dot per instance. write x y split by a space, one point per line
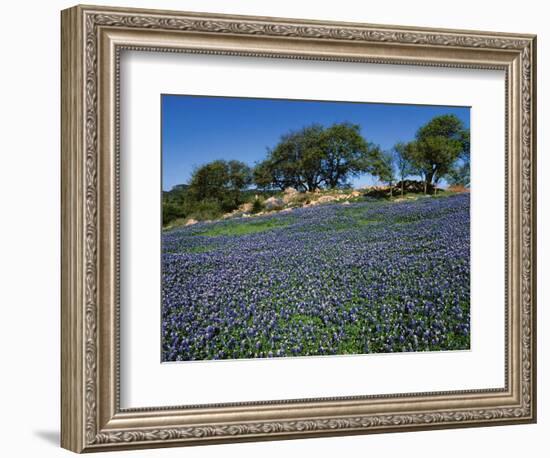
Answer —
197 129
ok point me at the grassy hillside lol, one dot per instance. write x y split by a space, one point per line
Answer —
335 278
180 209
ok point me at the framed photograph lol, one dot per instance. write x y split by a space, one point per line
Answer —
278 228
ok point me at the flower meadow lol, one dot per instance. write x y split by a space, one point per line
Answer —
370 277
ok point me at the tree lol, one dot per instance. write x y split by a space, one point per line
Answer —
384 169
295 161
222 181
345 153
264 176
465 141
315 156
437 146
402 163
209 181
240 178
309 163
460 175
174 203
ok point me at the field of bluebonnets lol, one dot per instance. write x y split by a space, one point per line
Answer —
371 277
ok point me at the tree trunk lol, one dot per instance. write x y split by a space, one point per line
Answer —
402 187
428 182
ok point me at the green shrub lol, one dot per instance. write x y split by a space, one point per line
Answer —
171 211
257 206
206 210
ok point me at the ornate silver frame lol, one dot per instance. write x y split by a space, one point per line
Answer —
92 39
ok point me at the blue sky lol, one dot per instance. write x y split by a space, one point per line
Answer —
198 129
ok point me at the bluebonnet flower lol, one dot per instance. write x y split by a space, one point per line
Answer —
370 277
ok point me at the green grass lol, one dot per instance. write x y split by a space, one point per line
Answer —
444 193
366 222
240 228
408 219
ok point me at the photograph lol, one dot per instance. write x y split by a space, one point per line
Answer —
301 228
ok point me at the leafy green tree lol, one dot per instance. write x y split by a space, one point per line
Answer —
240 178
170 212
175 204
460 175
295 161
402 163
465 141
268 175
437 146
209 181
345 153
384 169
221 181
309 157
315 156
460 172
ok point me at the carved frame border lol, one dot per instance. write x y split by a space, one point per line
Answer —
92 38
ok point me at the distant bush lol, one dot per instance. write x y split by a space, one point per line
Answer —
221 180
257 206
171 211
180 203
206 209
